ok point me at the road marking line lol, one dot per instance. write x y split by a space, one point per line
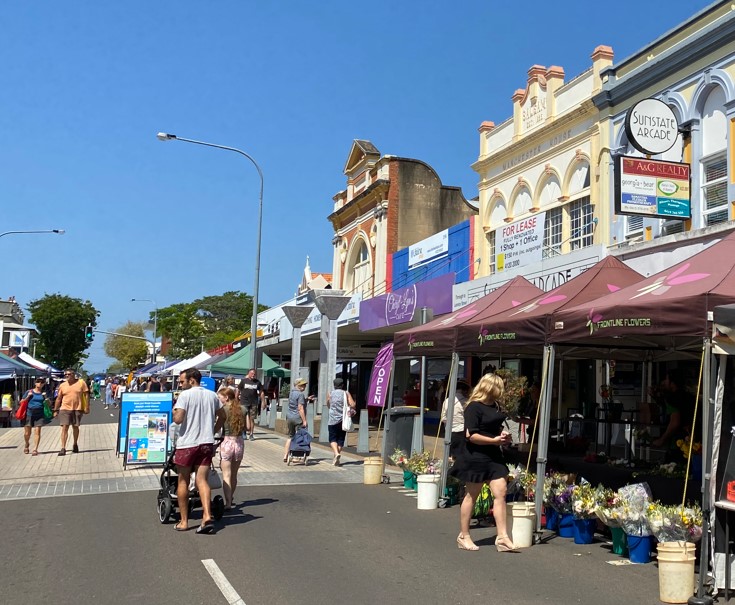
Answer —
222 583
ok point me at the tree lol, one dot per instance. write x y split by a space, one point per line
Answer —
207 322
60 321
128 351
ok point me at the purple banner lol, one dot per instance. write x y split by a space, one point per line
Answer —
399 307
380 377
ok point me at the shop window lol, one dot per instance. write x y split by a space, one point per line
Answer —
672 227
714 190
552 233
581 227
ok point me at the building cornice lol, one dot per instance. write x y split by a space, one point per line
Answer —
378 189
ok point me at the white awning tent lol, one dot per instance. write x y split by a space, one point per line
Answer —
40 365
176 369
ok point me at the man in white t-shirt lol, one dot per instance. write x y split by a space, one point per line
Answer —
200 415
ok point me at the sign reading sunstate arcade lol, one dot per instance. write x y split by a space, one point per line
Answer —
652 188
651 126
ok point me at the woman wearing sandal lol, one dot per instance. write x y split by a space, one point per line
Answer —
34 416
233 445
481 460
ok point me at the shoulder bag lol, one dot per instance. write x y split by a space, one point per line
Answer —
346 414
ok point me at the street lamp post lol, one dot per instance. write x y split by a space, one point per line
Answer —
57 231
163 136
154 356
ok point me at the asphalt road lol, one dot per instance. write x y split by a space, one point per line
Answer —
292 544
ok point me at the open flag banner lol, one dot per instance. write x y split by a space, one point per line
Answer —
380 377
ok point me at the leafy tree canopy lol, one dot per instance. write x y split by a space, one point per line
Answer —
128 351
60 321
206 323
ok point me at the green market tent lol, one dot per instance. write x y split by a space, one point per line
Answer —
239 363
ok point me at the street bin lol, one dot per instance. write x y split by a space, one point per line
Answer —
400 429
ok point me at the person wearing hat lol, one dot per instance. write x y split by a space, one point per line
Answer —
296 414
336 401
460 401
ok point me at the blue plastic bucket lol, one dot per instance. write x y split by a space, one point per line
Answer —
639 549
584 531
566 525
552 518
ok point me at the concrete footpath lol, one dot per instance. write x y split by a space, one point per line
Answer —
97 469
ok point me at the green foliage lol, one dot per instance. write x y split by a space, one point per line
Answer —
515 390
207 322
61 321
128 351
116 367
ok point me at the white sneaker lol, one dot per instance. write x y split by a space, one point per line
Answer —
335 462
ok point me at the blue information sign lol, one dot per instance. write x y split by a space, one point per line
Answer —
207 383
144 403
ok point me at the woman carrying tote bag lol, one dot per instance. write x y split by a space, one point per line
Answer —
336 400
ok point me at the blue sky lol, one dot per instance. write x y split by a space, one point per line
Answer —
88 84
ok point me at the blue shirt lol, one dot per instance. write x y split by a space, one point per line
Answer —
36 401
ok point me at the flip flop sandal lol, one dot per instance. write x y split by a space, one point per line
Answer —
26 450
207 528
177 528
34 453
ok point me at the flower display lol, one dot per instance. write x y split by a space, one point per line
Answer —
420 463
608 507
633 510
521 481
675 523
684 446
585 500
515 390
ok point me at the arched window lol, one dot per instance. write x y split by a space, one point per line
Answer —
359 272
522 202
580 210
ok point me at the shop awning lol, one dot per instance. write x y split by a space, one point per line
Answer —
239 363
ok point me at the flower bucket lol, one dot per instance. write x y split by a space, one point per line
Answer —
428 492
618 540
639 548
407 479
676 571
552 519
584 531
372 471
451 493
566 525
521 521
414 482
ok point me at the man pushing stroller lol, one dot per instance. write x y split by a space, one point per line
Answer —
200 415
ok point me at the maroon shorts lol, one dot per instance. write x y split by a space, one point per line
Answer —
190 457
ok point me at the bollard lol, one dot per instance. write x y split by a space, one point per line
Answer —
272 414
324 426
417 442
363 438
310 417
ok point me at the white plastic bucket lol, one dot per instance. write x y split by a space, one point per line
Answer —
676 571
428 492
520 518
372 470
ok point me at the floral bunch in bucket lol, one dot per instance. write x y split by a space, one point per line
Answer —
585 500
609 507
634 509
673 523
423 463
399 458
521 483
558 491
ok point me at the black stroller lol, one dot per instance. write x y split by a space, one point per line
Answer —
167 499
300 447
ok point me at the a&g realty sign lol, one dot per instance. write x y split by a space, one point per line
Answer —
651 126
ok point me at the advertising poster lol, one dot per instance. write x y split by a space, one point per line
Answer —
141 403
653 188
520 243
147 438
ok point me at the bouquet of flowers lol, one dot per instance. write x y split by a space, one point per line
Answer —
585 500
557 492
609 507
422 463
399 458
634 509
684 444
521 481
672 523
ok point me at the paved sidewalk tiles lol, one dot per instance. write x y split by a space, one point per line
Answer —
96 469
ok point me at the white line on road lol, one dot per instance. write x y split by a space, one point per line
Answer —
222 583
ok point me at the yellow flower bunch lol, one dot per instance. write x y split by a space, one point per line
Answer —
683 445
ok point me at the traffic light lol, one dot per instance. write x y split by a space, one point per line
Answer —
89 333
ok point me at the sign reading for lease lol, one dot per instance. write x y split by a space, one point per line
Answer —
520 243
652 188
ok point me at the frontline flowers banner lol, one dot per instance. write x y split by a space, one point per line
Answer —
380 376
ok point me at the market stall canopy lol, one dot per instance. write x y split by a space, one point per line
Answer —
724 333
530 323
9 368
667 310
439 336
239 363
158 368
204 364
31 361
177 368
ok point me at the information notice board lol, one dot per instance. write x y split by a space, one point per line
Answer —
141 403
147 441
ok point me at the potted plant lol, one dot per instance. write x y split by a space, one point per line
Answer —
584 506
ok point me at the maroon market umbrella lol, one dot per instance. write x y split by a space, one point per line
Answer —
438 337
530 323
668 309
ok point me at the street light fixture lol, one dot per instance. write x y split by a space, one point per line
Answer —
164 136
57 231
154 356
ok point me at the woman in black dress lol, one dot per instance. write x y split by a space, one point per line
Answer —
481 460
